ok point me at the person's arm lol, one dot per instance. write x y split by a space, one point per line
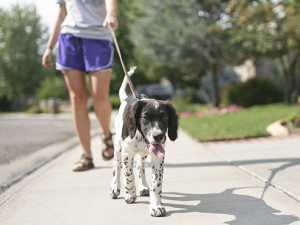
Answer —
111 14
46 60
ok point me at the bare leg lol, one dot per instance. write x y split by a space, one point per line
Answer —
75 80
100 81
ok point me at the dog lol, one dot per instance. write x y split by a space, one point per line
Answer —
141 127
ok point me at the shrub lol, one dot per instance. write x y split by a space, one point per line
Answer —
52 87
33 109
115 101
183 104
253 92
293 120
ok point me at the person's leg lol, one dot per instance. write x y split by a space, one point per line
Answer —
100 81
78 93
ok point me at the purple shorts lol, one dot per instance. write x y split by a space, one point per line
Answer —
84 54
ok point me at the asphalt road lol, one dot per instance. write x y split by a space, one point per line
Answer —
21 135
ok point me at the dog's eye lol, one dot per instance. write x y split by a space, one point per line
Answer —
164 117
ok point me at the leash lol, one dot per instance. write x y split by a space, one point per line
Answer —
124 68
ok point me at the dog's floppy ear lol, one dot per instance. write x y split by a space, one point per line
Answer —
132 116
173 122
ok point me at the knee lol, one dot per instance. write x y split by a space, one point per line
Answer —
101 101
78 100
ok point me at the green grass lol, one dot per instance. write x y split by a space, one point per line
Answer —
238 125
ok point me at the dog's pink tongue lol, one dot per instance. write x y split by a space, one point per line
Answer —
156 149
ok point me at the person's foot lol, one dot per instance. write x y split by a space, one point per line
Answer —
108 148
85 163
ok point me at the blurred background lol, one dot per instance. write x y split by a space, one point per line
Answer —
210 58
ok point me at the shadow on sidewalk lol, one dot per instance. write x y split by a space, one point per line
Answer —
289 162
246 209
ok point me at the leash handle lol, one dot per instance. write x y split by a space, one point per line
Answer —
124 68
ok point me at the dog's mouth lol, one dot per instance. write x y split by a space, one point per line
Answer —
155 149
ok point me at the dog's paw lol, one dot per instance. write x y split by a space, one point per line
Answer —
144 192
114 193
130 198
157 211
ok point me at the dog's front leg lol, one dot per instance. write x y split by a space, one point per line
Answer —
140 166
156 207
129 183
114 190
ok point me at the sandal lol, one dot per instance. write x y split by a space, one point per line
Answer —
82 166
108 146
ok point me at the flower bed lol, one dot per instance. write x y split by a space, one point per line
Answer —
292 123
214 111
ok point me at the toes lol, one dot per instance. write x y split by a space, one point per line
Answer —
158 212
163 211
130 199
114 194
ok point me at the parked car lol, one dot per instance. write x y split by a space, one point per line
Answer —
157 91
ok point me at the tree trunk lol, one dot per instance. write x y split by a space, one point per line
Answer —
296 91
294 73
202 87
286 81
214 86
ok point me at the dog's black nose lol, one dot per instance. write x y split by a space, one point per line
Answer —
158 137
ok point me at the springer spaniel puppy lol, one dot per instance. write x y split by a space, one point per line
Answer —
141 127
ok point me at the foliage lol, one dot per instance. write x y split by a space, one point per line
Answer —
33 109
270 29
129 55
183 104
21 34
178 34
52 87
243 124
253 92
5 104
115 101
293 120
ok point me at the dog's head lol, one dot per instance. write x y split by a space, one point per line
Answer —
153 118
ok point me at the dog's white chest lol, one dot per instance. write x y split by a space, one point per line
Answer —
135 145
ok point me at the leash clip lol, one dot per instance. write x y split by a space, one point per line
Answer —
134 95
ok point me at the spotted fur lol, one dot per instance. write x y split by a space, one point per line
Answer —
136 121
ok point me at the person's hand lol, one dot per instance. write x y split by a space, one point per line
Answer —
46 59
112 21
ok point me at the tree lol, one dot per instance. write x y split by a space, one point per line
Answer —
129 55
272 29
181 35
21 40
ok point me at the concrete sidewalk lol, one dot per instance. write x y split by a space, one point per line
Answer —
200 187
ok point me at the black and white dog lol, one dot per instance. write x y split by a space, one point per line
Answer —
141 127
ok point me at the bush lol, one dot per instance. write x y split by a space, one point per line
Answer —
115 101
52 87
293 120
33 109
183 104
252 92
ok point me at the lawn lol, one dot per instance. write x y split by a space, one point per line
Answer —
238 125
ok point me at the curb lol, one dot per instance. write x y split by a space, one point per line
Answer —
66 146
